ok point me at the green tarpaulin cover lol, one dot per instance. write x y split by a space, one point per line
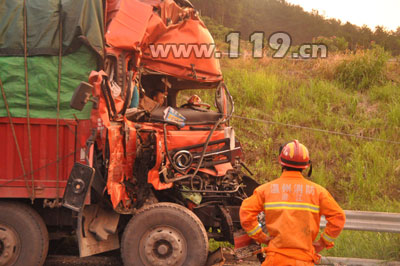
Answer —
43 84
82 39
82 21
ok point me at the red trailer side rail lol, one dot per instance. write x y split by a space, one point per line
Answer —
13 183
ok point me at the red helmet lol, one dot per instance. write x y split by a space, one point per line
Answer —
295 155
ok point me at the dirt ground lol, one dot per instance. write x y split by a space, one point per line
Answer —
56 260
65 252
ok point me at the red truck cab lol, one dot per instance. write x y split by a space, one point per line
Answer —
165 176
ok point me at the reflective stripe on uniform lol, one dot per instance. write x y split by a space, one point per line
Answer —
291 206
328 238
255 230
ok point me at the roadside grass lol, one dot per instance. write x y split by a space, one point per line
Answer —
360 174
368 245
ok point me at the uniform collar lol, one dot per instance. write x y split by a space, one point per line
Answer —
291 174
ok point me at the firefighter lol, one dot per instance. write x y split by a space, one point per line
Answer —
293 207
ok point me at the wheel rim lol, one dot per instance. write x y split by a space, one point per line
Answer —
9 245
163 245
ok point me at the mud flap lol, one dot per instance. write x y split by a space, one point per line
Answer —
78 186
97 230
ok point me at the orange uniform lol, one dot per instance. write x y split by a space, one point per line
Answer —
293 207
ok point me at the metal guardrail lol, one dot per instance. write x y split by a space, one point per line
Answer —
370 221
356 262
366 221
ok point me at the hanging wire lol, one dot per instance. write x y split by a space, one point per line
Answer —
317 129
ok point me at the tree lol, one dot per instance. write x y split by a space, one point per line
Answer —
271 16
397 33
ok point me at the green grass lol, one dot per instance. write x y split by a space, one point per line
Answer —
360 174
369 245
214 245
363 70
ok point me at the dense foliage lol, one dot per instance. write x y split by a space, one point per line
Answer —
278 15
364 70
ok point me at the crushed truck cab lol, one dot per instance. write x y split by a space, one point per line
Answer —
152 175
153 153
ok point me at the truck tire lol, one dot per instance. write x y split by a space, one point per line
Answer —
24 240
164 234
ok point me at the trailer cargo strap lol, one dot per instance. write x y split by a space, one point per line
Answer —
14 134
58 102
27 102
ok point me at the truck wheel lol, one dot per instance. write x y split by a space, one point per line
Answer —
24 239
164 234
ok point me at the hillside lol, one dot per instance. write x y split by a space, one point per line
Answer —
297 99
278 15
345 109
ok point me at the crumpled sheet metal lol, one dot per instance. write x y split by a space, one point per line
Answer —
121 160
132 26
136 26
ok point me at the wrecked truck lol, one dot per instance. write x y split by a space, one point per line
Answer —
157 179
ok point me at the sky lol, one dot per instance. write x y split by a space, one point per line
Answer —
359 12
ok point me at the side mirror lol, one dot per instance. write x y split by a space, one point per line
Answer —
224 101
221 100
81 96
